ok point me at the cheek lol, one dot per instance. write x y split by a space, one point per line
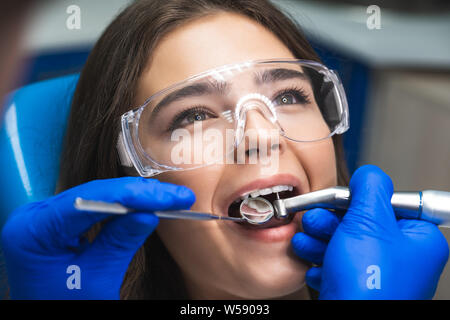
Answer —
191 243
201 251
203 182
318 159
195 245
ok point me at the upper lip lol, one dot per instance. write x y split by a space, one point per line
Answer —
278 179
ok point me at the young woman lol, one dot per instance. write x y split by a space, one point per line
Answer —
150 50
147 48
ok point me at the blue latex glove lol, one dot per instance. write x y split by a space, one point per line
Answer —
371 254
44 252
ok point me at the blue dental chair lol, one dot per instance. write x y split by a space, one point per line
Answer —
31 135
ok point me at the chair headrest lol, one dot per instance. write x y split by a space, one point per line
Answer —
31 136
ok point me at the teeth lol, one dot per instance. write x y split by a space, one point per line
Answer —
244 197
266 191
278 189
259 206
254 194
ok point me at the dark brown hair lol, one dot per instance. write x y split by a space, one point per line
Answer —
107 89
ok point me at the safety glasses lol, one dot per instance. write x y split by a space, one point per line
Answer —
204 119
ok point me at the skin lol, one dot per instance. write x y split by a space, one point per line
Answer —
216 261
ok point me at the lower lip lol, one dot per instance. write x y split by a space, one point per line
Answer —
275 234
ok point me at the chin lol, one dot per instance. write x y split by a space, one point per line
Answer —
274 282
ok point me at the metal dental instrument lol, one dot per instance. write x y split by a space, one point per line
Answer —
429 205
117 208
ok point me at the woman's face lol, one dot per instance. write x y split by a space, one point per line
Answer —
224 259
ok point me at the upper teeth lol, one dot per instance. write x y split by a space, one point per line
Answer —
266 191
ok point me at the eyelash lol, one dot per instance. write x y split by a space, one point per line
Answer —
182 114
298 93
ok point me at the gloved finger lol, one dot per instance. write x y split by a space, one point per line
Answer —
313 277
428 236
418 229
371 192
124 234
141 194
57 216
309 248
320 223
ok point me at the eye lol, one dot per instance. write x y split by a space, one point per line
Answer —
189 116
286 98
196 116
292 96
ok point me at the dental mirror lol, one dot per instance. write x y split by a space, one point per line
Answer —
256 210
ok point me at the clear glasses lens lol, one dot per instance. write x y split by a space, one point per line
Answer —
202 120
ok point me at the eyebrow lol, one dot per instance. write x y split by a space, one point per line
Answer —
273 75
202 88
196 90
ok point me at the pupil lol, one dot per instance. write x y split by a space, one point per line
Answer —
197 117
285 99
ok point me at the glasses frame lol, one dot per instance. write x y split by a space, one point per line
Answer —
132 153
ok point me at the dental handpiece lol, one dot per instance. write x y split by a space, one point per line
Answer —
429 205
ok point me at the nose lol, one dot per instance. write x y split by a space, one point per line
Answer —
248 103
257 127
260 139
260 133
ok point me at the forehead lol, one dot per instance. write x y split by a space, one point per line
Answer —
206 43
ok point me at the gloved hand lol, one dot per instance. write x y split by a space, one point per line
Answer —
318 227
44 253
372 255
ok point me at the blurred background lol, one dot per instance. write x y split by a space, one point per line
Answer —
392 56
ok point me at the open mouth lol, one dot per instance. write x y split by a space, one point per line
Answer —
254 207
